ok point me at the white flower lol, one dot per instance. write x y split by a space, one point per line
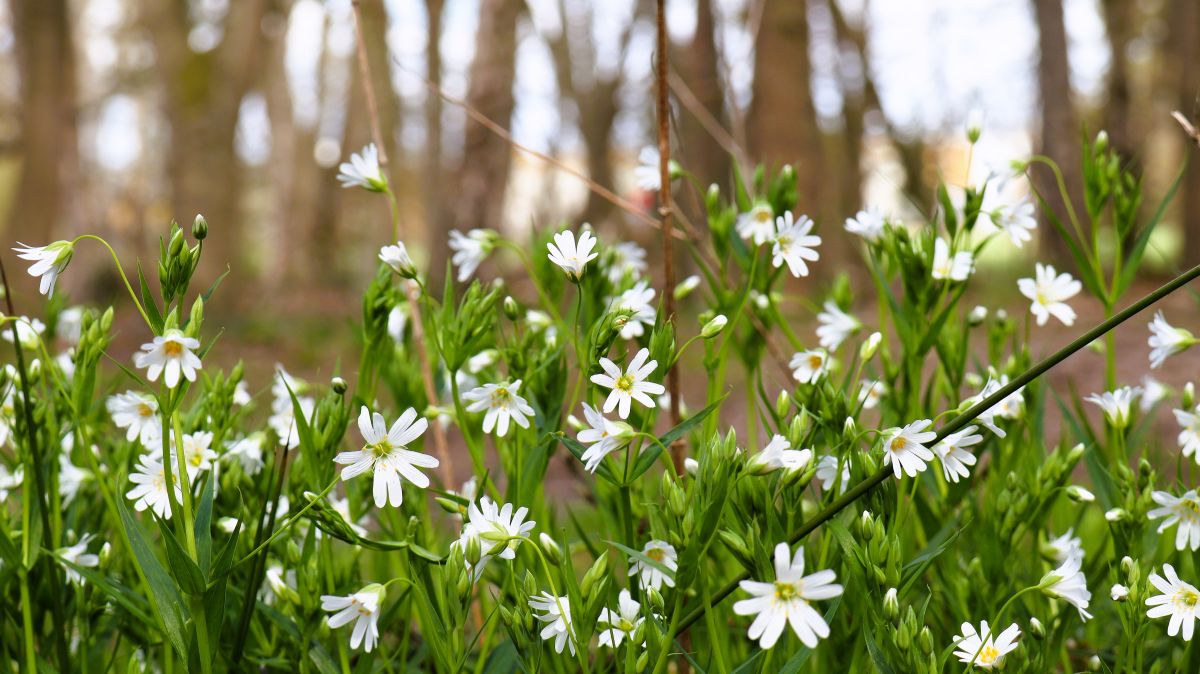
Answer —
627 258
778 454
48 262
70 476
629 385
397 258
603 437
150 486
279 585
794 244
137 413
809 366
621 623
556 613
170 352
956 268
648 174
1152 392
981 648
397 322
649 575
827 472
386 454
471 250
1181 511
9 481
870 392
363 171
637 301
198 455
1178 600
363 608
788 600
283 418
1118 592
1049 292
1189 436
904 448
29 331
757 224
1116 404
241 394
570 256
79 556
1016 221
953 454
835 326
868 224
248 451
1009 407
1065 547
1068 583
70 325
1166 341
499 529
502 403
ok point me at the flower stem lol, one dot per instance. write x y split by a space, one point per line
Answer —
120 270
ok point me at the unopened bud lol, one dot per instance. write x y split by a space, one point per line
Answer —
714 327
511 310
977 316
891 604
550 547
1079 494
199 228
1119 592
870 346
338 385
686 287
1036 629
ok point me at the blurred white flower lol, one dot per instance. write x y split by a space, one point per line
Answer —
649 576
570 256
827 472
363 170
870 392
757 224
29 331
1116 404
1152 392
835 326
501 403
1065 547
1189 436
627 258
471 250
868 224
1017 221
79 556
397 258
955 268
69 325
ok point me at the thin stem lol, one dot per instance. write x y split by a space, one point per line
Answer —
661 88
290 521
120 270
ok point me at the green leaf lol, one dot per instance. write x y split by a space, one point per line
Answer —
214 614
648 456
876 655
577 449
168 603
641 557
941 541
203 526
189 576
225 558
118 592
1132 262
148 301
1083 263
1106 489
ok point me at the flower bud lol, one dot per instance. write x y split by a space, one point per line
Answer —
977 315
714 327
550 548
1079 494
1189 395
870 346
925 640
199 228
338 385
866 526
891 604
655 599
686 286
691 466
1116 515
473 552
1036 629
511 309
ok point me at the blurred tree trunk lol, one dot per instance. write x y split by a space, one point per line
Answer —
484 166
48 142
1184 56
1120 20
436 226
202 95
1060 130
702 155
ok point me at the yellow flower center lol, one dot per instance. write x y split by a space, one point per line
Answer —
500 398
172 348
815 362
145 410
656 554
381 448
785 591
1041 297
1186 598
784 241
625 383
899 443
1193 506
762 215
988 655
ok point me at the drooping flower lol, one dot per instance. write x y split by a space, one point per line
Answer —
1166 340
794 244
1064 547
981 648
501 403
636 300
835 326
79 556
827 473
150 486
471 250
630 385
779 455
137 413
1116 404
757 224
387 456
649 575
1182 512
957 267
1178 599
868 224
170 353
396 257
952 452
788 600
363 170
556 613
621 623
1049 291
1189 435
362 607
809 366
602 437
1068 583
1018 222
570 256
48 262
905 448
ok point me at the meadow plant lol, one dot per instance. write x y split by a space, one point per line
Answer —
896 497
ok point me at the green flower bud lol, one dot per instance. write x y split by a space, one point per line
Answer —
511 309
714 326
550 548
1036 629
870 346
338 385
925 640
199 228
686 286
891 604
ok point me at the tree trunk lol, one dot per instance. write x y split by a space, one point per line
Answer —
436 227
1121 26
1060 130
702 155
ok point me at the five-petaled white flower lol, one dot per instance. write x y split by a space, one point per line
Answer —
636 300
794 244
956 267
1016 221
363 608
779 455
953 453
1189 436
499 529
602 437
48 262
787 600
1068 582
868 224
1178 600
170 352
502 403
471 250
1116 404
570 256
150 486
621 623
387 455
650 575
396 256
1166 340
904 448
1008 407
247 451
137 413
870 392
835 326
1182 512
363 170
827 472
757 224
1049 291
198 454
629 385
29 331
556 613
809 366
79 556
982 648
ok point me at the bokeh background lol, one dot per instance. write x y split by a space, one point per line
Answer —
118 115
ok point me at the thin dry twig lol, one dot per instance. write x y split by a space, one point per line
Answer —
1188 128
712 126
364 70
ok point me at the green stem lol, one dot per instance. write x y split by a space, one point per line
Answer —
185 484
120 270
